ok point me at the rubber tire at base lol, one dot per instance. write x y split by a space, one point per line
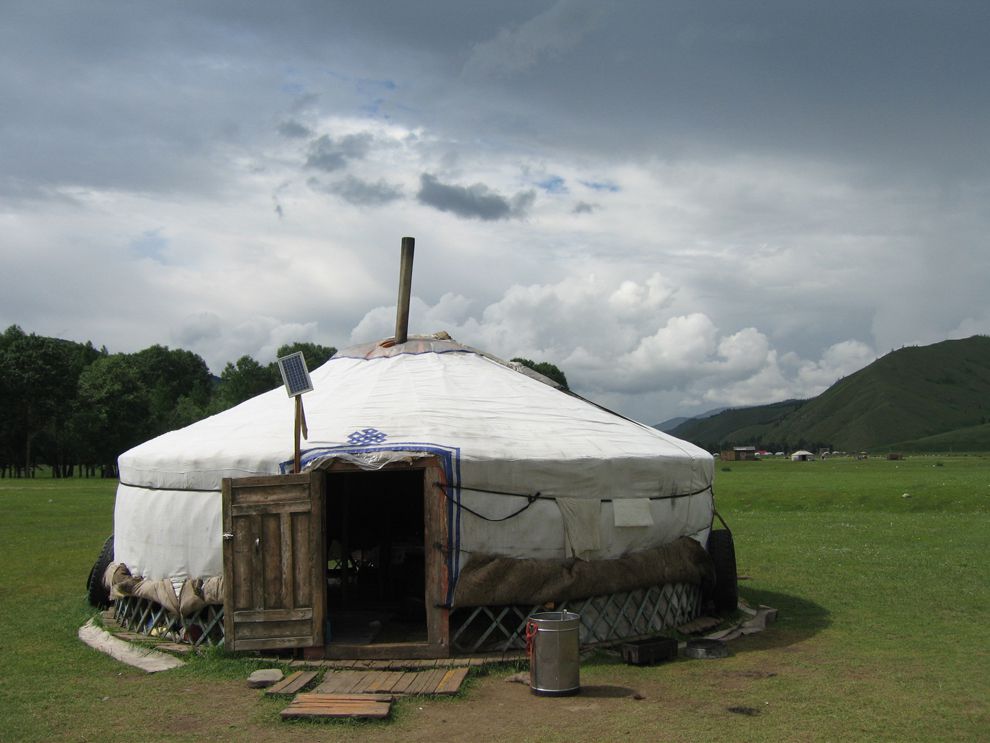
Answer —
722 550
96 592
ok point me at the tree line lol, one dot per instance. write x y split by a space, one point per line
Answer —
76 408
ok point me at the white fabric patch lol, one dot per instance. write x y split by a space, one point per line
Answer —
632 512
582 522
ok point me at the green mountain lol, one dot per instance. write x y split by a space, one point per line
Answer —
932 398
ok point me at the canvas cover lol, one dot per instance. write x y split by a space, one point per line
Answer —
487 580
507 441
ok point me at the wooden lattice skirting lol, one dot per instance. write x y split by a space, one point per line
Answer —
605 619
148 617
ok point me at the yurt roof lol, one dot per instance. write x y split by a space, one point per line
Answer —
428 390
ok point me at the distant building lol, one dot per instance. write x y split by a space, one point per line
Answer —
739 454
802 455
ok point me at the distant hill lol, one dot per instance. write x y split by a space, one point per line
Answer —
973 438
671 423
735 425
930 396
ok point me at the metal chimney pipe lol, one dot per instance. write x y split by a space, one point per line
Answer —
405 289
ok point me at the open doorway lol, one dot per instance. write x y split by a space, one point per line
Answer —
375 542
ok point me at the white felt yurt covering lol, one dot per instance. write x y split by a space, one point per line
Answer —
606 483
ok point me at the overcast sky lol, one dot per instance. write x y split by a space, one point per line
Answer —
684 205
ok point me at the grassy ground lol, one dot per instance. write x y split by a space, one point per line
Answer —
880 635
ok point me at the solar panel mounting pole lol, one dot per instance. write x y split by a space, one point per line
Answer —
405 289
297 430
300 428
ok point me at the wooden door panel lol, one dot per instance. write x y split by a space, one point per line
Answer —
274 561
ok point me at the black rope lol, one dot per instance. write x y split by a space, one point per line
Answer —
717 514
184 490
675 495
552 497
493 492
531 499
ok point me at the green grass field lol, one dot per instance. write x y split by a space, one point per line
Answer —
881 598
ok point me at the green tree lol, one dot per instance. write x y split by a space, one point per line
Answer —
178 384
243 380
9 433
247 378
546 369
315 354
66 446
114 412
38 388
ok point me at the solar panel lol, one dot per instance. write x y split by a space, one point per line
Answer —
295 375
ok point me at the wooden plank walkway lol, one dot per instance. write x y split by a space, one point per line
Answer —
314 705
436 681
291 684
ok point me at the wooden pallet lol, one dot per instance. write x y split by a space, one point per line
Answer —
291 684
317 705
438 681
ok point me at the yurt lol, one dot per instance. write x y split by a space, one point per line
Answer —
442 495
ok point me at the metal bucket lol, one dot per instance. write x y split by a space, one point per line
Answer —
552 645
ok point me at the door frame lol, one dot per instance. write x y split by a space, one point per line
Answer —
435 551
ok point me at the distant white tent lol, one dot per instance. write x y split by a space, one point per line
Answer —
802 455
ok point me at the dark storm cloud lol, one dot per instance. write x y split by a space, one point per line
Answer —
477 201
293 130
884 85
889 85
328 154
359 192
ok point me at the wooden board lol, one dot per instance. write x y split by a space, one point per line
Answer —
443 681
406 678
291 684
313 705
274 561
451 681
426 682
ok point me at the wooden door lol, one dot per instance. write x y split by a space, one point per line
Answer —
274 561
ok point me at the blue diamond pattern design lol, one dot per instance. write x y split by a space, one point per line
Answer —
367 436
